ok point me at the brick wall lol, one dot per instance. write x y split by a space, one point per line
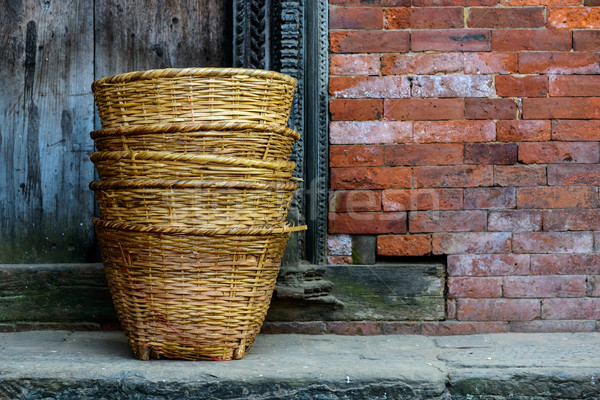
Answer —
470 128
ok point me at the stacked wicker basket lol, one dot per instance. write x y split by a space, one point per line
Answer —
194 192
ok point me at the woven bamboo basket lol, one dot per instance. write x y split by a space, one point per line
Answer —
260 141
216 204
194 95
191 293
168 165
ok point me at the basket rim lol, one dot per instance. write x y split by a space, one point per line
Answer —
194 72
194 127
189 184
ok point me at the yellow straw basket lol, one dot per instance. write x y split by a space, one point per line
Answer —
194 95
168 165
193 203
260 141
191 293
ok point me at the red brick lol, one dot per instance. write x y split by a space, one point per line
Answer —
545 286
451 40
423 154
370 178
471 242
372 3
552 242
565 175
353 328
370 87
446 221
424 18
538 40
490 109
369 42
446 328
422 199
515 220
423 109
521 3
452 176
454 131
404 245
573 17
565 264
441 3
304 328
452 86
521 17
491 153
558 63
523 131
557 197
562 108
421 63
589 3
339 260
585 308
574 85
488 265
593 286
367 223
520 175
521 86
489 198
558 152
355 156
450 309
476 287
400 328
572 220
490 63
576 130
355 201
498 309
355 109
369 132
552 326
354 64
586 40
355 18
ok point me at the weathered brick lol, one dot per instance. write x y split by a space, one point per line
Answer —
442 3
498 309
339 245
369 41
559 63
305 328
545 286
525 39
509 17
576 130
356 109
552 326
400 328
444 328
370 178
521 86
339 260
422 199
372 3
423 109
491 153
370 87
565 175
452 86
561 108
521 3
355 155
353 328
520 175
490 109
586 40
471 243
355 201
355 18
421 63
490 63
593 286
585 308
552 242
488 264
369 132
523 131
557 197
404 245
573 17
572 220
565 264
424 18
375 223
423 154
354 64
452 176
450 309
574 85
515 220
474 287
454 131
489 198
446 221
558 152
451 40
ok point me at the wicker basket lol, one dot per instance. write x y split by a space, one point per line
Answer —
168 165
191 293
218 204
265 142
194 95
